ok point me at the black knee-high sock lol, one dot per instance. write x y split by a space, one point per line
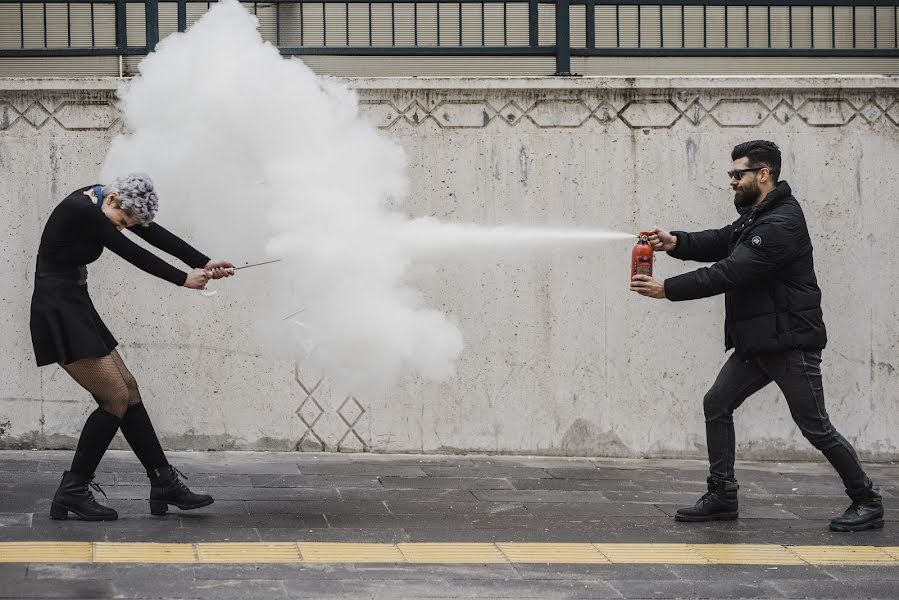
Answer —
98 431
138 430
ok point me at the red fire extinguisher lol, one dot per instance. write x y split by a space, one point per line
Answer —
642 256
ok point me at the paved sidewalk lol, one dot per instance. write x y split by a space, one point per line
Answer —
504 503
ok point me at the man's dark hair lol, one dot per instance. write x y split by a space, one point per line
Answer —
760 153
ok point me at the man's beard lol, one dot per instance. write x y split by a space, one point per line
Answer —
746 198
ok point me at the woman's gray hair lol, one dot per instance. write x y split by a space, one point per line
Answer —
136 196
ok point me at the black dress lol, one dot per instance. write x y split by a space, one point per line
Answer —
65 326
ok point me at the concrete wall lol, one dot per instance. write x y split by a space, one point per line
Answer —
560 358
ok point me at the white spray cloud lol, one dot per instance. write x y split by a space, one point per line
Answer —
254 155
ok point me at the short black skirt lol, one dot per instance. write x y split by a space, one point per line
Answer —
65 326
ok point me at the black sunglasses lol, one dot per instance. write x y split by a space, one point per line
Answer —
738 173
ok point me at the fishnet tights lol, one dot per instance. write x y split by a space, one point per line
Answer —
108 380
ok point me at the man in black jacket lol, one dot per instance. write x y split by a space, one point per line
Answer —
764 268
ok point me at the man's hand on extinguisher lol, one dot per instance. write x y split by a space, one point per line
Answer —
661 240
647 286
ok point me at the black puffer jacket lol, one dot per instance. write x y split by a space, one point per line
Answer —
764 268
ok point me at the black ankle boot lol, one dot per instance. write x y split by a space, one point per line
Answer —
865 512
74 495
718 504
167 489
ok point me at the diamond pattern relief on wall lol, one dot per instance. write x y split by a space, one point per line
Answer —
326 429
75 114
650 114
739 113
827 113
559 113
566 109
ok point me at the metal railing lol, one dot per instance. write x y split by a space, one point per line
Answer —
549 28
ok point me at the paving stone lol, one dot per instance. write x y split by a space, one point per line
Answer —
272 494
438 519
537 496
586 485
221 588
48 588
374 470
14 520
338 507
455 483
400 507
195 481
872 588
594 510
422 495
486 471
334 534
66 531
694 589
604 572
463 588
602 472
752 574
315 481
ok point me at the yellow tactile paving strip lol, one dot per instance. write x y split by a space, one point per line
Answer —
446 553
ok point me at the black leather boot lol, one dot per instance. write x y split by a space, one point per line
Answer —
167 489
74 495
865 512
718 504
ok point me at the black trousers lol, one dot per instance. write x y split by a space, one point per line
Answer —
798 375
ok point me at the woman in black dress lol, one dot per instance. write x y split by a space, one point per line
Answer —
66 329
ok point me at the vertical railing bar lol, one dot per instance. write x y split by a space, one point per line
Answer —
533 24
438 23
392 24
121 25
69 25
639 26
853 26
483 38
277 22
790 24
705 27
255 10
151 15
726 28
661 27
591 23
505 24
460 24
369 24
811 26
617 27
324 24
769 26
896 25
182 15
22 23
683 28
45 24
346 15
415 23
302 28
833 26
874 8
747 25
563 38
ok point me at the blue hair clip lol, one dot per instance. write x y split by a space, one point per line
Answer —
98 192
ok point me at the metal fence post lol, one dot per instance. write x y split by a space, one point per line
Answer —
563 38
152 15
121 27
